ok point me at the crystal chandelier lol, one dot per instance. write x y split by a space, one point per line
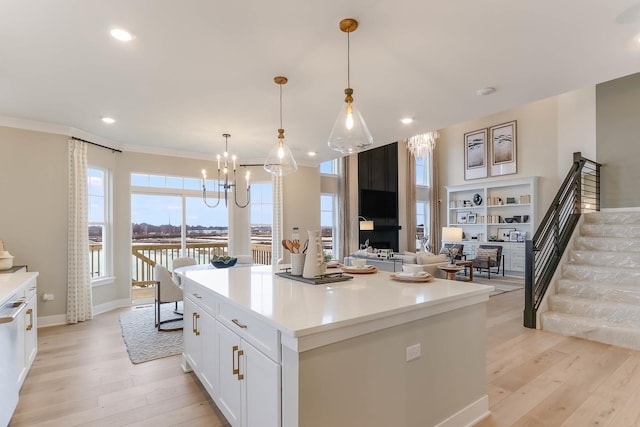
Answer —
423 144
227 184
350 133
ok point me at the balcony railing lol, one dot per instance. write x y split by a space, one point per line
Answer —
145 256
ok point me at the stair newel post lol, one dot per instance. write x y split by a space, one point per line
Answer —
529 311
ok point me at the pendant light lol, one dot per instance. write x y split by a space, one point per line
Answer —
350 133
280 161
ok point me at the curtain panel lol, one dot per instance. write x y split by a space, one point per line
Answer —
79 298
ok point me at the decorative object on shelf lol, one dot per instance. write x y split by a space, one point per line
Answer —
471 218
451 234
461 217
227 184
280 161
503 149
314 264
475 154
224 261
513 236
365 224
423 144
350 133
504 233
511 200
477 199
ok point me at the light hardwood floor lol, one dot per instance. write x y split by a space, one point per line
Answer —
82 376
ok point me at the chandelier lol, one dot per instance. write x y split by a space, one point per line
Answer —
423 144
226 184
350 133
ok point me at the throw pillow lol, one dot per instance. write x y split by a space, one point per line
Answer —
491 254
424 259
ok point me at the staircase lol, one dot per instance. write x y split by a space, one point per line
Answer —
598 294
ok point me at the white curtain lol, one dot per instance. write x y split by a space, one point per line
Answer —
277 251
410 191
79 304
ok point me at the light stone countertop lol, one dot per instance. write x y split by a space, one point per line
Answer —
298 309
10 283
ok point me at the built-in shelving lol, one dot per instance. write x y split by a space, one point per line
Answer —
483 209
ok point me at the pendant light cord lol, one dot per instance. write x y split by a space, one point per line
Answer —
348 60
280 106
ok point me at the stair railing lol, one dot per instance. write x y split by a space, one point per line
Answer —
579 193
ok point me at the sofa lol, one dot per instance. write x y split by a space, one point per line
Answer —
428 261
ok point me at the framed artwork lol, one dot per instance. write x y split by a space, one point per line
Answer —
513 236
461 217
471 218
503 148
475 154
505 233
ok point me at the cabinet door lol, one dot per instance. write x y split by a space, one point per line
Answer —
230 379
209 353
31 334
260 389
191 334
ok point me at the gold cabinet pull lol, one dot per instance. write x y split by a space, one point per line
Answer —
30 325
237 323
240 376
235 370
196 316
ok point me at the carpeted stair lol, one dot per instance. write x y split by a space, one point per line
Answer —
598 295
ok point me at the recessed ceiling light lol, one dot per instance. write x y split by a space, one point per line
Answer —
311 153
407 120
485 91
108 120
122 35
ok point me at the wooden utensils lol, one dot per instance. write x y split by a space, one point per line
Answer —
293 246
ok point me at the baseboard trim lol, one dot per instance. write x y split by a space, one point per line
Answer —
470 415
61 319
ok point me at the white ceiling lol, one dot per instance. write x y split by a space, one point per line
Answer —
199 68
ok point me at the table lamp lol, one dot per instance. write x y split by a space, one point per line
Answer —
451 234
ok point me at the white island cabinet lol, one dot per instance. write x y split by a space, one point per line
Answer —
368 351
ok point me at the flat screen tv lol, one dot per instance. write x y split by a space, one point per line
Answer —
378 204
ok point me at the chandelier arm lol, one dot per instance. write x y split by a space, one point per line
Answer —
204 198
248 198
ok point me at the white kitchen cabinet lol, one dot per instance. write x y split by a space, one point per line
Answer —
249 383
27 329
242 380
199 344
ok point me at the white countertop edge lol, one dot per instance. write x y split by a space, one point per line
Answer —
10 284
326 334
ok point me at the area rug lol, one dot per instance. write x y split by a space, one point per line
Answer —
143 340
502 283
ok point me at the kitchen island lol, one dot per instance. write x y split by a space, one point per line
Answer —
370 351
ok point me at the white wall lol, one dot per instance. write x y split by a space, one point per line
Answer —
576 127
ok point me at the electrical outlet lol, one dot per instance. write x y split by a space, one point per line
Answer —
413 352
47 297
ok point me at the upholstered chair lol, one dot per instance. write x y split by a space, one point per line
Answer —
166 292
488 257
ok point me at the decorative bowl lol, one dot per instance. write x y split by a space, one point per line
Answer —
221 264
6 263
510 220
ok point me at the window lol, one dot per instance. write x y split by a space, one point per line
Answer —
423 198
99 214
330 167
328 212
261 212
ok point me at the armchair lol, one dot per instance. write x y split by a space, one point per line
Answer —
166 291
488 257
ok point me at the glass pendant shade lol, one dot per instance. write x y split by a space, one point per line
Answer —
280 161
350 133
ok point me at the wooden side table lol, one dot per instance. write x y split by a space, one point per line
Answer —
451 270
466 264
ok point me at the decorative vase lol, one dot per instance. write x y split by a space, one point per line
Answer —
314 264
